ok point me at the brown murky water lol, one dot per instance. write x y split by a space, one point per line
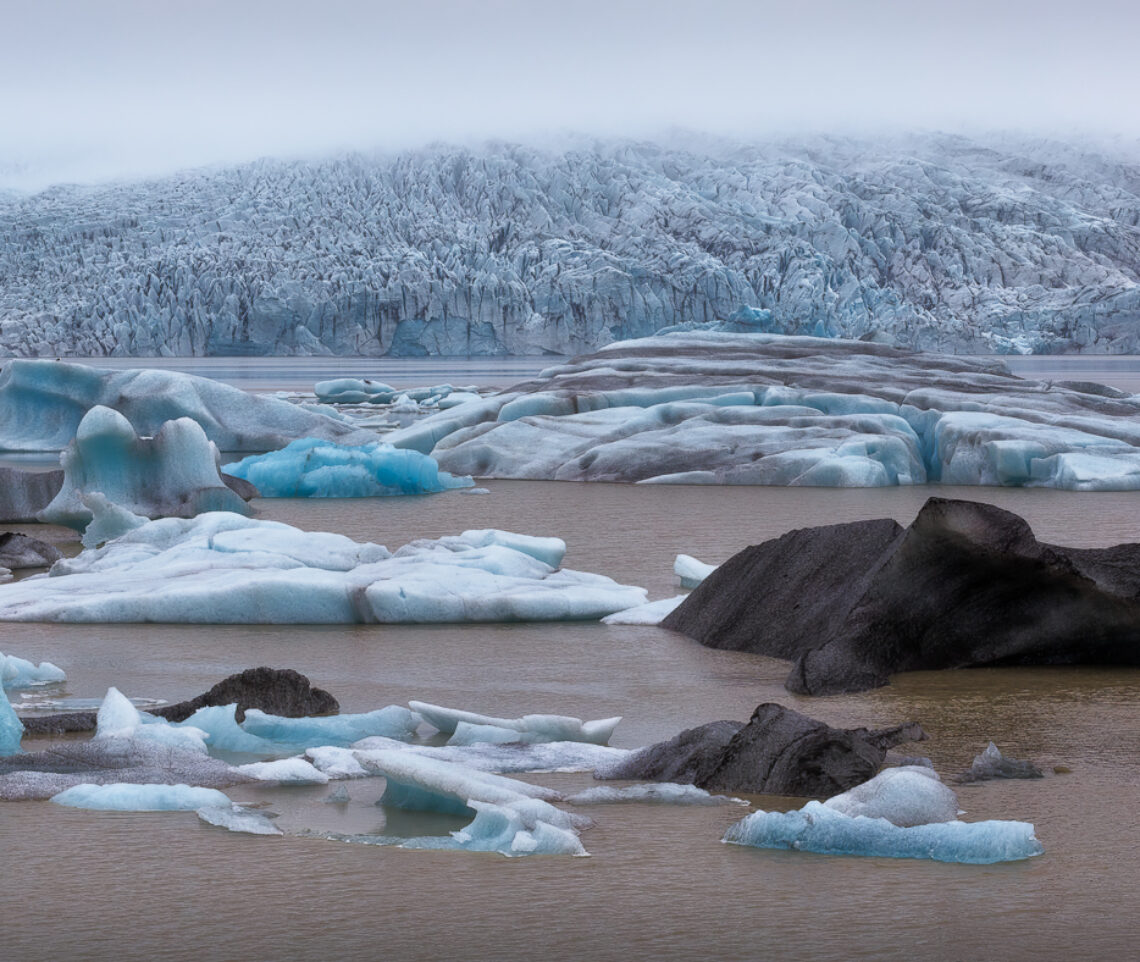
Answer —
659 883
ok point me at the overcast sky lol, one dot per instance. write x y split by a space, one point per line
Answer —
96 88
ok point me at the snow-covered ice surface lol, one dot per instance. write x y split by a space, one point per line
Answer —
531 728
1001 244
20 673
173 473
315 468
123 797
900 813
226 569
43 402
701 408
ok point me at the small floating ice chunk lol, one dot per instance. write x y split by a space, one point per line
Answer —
993 764
338 796
651 614
691 571
546 728
121 797
514 829
315 468
817 828
238 819
118 718
21 673
289 771
393 721
907 796
666 793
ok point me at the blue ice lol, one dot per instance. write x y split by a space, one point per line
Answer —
391 722
21 673
122 797
313 468
11 728
816 828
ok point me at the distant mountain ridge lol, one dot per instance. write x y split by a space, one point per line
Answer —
935 242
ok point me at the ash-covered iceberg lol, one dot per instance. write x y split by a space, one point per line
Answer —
175 473
226 569
316 468
706 408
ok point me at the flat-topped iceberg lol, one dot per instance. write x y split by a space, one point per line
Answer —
223 568
316 468
715 408
122 797
42 403
173 473
528 728
235 818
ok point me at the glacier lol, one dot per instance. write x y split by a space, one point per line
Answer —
176 472
716 408
936 242
316 468
223 568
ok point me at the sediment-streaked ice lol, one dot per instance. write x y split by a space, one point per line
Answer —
316 468
122 797
222 568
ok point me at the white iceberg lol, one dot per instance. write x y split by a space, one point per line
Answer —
290 771
534 728
661 793
222 568
316 468
906 796
117 718
691 571
651 614
121 797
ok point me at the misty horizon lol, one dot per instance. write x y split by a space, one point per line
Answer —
120 90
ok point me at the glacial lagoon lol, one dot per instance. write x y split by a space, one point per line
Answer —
659 883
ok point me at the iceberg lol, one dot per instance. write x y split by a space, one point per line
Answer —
546 728
817 828
316 468
651 614
906 796
691 571
108 520
334 730
117 718
11 728
708 408
235 818
43 402
512 829
21 673
226 569
121 797
174 473
290 771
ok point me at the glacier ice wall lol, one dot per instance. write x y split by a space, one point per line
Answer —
935 242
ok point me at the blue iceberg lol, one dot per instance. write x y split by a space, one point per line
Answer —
120 797
314 468
335 730
11 728
817 828
21 673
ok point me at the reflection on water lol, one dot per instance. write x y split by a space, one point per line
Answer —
659 884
